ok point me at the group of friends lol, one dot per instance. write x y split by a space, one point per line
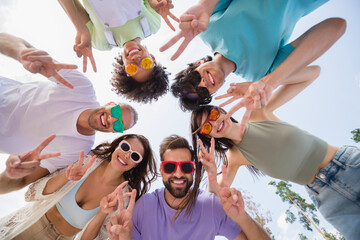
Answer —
80 191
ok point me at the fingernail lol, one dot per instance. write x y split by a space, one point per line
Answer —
17 161
113 229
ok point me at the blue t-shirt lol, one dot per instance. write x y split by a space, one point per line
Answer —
152 219
251 33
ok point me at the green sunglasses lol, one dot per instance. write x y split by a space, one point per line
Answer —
115 112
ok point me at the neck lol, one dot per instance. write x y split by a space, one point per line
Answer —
234 133
172 201
111 176
227 65
82 124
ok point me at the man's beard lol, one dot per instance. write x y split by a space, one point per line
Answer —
175 192
91 118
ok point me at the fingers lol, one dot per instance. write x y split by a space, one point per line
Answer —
180 49
92 60
120 198
132 201
212 147
84 63
65 66
244 121
90 162
27 165
228 102
234 109
49 155
61 80
167 21
81 158
174 17
171 42
226 95
44 143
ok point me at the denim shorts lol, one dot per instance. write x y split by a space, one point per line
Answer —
336 192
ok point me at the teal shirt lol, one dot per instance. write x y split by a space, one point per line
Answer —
250 33
122 34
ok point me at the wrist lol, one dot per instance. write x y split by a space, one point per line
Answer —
208 5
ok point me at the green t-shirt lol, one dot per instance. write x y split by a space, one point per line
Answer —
122 34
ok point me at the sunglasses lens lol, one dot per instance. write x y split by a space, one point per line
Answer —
131 69
214 114
187 167
206 129
147 63
135 156
116 111
125 146
169 167
118 126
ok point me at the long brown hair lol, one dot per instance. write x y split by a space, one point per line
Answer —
221 144
176 142
139 177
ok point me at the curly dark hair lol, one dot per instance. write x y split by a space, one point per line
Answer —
142 92
186 85
221 144
139 177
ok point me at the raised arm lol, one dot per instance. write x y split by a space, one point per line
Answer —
233 205
74 172
108 205
24 169
79 17
194 21
307 48
32 59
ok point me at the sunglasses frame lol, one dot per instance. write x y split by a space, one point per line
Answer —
208 120
131 151
176 166
153 64
115 112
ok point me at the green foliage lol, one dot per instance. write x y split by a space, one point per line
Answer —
302 237
356 135
286 195
331 236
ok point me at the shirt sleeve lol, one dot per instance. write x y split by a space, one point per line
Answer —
75 77
138 214
224 225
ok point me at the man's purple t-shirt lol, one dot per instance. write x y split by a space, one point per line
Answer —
152 219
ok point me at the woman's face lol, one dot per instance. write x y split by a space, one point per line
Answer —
124 159
219 127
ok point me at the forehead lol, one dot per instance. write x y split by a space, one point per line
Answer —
136 145
177 155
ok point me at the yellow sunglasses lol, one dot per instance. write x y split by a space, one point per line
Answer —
132 68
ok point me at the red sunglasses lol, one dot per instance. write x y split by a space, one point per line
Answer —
186 167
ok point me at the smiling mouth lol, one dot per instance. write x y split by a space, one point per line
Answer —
133 51
103 120
211 78
121 161
178 182
221 126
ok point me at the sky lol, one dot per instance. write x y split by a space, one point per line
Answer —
329 108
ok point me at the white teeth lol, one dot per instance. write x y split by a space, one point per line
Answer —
178 182
103 120
221 125
124 163
133 51
211 79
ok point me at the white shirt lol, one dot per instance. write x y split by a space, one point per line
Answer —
30 112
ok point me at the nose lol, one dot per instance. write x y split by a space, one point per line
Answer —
202 83
178 173
136 58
